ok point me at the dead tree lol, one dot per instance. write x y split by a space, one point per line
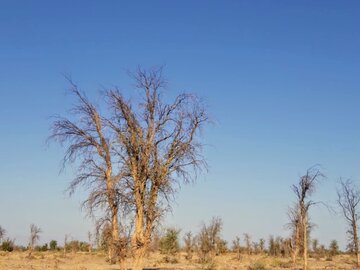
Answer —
189 245
348 200
66 237
157 147
90 241
237 247
34 237
208 240
295 227
88 144
2 233
303 190
247 240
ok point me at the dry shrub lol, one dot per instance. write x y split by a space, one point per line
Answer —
281 264
258 265
210 264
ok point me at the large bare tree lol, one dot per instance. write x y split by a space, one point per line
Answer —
157 147
303 191
88 144
133 160
348 200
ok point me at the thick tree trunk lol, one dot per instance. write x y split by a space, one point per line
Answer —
305 251
295 251
114 235
138 261
138 245
122 264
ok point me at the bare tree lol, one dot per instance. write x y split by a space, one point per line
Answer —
2 233
88 144
348 200
295 227
66 238
303 190
157 147
237 247
34 237
132 160
189 245
262 245
208 240
90 241
247 240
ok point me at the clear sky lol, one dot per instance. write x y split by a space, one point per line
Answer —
281 79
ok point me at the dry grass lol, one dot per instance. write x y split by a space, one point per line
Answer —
96 261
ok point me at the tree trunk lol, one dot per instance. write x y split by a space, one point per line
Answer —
114 235
122 264
139 255
356 243
305 243
138 246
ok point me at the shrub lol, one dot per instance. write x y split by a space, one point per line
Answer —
259 265
209 265
53 245
169 259
7 245
334 248
169 244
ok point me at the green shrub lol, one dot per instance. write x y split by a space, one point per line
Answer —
169 243
53 245
7 245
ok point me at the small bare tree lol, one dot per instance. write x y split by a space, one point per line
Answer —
262 245
90 241
247 240
208 240
237 247
2 233
66 238
348 200
189 245
303 190
34 237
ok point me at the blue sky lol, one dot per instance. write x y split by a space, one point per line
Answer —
281 79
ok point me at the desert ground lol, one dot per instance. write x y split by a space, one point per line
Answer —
96 261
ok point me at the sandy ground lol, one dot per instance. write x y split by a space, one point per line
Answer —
96 261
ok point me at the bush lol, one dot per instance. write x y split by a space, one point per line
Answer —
281 264
53 245
209 265
259 265
169 259
7 245
169 244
